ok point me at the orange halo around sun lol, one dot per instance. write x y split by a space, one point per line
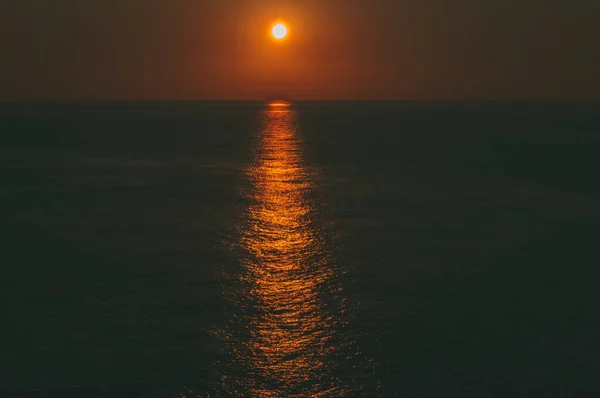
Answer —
279 31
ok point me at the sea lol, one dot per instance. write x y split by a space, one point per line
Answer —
307 249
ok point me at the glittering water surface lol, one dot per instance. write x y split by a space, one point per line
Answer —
283 335
161 250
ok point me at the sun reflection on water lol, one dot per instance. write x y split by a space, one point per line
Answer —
285 325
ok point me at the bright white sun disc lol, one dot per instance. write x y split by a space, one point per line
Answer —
279 31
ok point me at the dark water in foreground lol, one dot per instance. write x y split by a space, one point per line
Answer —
323 249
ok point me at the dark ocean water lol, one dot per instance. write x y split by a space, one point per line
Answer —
319 249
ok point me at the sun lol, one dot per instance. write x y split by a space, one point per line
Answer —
279 31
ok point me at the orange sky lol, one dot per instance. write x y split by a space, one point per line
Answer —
337 49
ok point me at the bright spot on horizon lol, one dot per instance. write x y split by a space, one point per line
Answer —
279 31
279 104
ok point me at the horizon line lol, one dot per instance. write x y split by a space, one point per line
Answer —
262 101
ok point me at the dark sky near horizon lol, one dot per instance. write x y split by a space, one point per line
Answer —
337 49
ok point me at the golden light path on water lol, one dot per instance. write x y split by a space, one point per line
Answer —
285 340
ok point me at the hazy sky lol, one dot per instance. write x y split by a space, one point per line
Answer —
337 49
